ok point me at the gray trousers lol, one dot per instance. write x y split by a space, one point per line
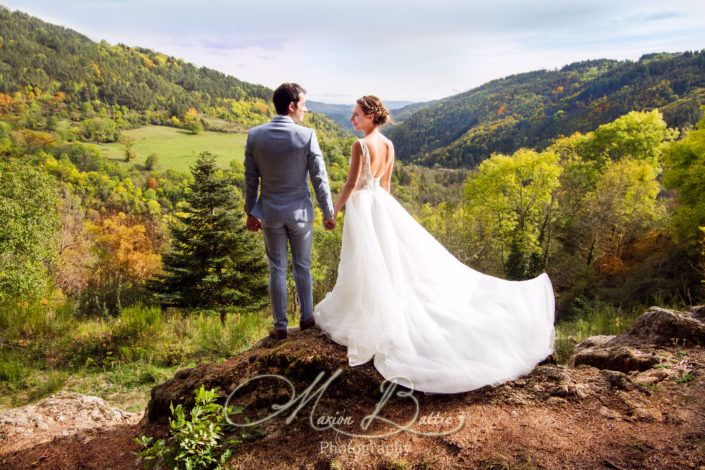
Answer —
277 238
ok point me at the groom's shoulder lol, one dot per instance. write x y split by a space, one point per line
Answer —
303 130
254 130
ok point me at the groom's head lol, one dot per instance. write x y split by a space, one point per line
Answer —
290 100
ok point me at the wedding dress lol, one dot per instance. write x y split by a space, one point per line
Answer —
430 322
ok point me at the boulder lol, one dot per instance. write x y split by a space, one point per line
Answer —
620 358
593 341
299 359
662 327
656 328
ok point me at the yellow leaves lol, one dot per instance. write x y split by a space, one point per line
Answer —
147 61
5 102
161 59
191 113
95 69
33 140
502 109
610 265
126 247
261 107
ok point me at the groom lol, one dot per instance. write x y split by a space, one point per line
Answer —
279 156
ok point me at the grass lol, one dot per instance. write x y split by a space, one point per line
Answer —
600 319
45 349
176 148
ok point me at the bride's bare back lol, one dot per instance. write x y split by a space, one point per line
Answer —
381 154
380 148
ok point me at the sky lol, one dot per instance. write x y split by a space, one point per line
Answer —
398 50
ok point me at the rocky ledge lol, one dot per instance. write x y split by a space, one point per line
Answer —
621 402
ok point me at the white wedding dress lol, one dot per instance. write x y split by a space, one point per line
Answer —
430 322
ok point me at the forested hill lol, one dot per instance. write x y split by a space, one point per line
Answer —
45 59
532 109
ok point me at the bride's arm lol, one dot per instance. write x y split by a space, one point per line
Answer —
387 176
353 177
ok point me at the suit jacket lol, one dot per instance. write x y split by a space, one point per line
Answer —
280 156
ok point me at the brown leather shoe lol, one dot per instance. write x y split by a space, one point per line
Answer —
277 334
306 324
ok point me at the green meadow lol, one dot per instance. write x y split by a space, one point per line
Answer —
176 148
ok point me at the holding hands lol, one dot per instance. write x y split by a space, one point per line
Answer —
253 223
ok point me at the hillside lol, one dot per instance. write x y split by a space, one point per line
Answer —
52 58
49 72
531 109
340 113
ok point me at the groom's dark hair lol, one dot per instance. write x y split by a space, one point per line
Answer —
285 94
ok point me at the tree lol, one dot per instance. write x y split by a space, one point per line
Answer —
638 134
623 206
510 201
685 172
129 144
124 258
29 229
214 262
151 162
192 122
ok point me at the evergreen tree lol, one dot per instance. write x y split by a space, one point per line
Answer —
214 262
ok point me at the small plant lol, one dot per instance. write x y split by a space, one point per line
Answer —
199 442
680 354
651 388
685 378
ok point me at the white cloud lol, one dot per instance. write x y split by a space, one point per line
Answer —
399 50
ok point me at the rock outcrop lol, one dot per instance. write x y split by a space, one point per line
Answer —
300 359
636 349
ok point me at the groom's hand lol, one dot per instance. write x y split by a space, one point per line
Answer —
253 223
329 224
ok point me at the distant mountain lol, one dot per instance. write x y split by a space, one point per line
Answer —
531 109
340 113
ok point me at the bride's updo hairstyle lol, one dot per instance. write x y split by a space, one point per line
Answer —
373 105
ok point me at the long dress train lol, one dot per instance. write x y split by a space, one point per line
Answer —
430 322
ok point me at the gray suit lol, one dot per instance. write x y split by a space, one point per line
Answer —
280 156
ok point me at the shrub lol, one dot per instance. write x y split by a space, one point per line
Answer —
197 442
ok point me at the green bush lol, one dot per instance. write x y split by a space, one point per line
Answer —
239 331
48 384
197 442
139 321
20 320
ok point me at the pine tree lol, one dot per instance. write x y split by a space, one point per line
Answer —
214 262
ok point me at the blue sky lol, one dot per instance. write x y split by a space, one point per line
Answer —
398 50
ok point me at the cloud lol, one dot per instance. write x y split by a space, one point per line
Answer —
659 15
397 49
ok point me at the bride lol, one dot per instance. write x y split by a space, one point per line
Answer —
429 322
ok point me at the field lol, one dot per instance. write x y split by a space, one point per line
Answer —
176 148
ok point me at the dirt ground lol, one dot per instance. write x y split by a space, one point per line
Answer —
556 417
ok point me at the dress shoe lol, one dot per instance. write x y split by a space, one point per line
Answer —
306 324
276 333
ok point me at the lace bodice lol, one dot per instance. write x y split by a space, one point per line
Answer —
367 181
